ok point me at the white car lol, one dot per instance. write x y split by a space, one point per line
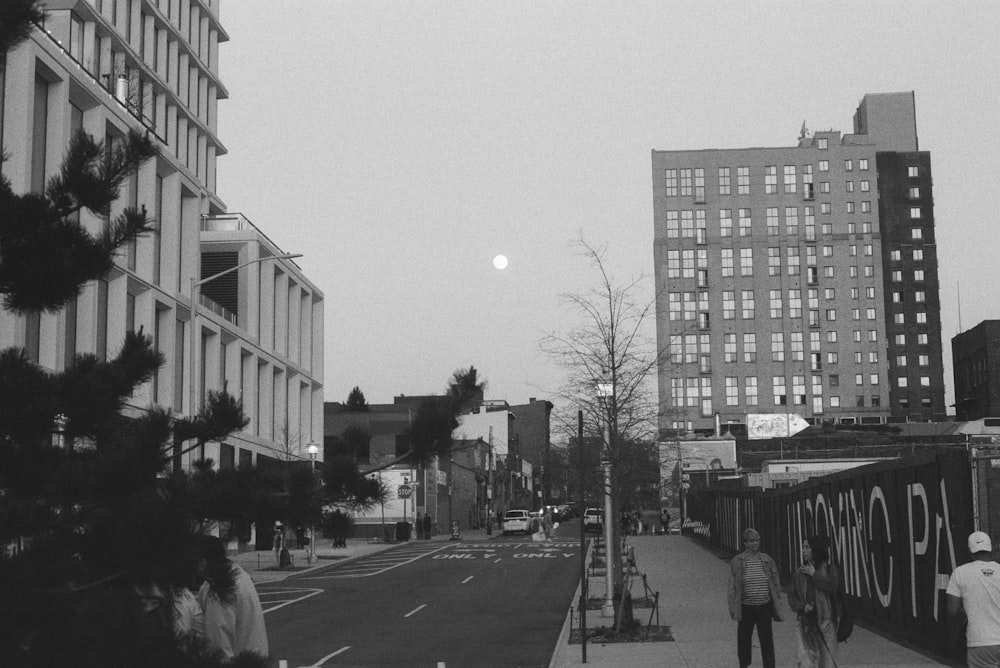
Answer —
516 520
593 519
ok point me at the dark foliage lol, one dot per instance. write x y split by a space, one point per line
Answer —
46 254
356 402
17 20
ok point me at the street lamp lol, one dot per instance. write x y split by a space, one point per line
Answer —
313 450
196 334
606 391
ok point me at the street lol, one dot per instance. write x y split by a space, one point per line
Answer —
501 602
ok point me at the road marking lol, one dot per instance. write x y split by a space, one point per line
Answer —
467 579
498 560
328 657
310 594
441 664
361 564
416 610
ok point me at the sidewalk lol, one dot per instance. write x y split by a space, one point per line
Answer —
692 584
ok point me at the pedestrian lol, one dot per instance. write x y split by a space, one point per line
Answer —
754 594
234 620
428 523
666 522
278 542
973 596
547 524
813 597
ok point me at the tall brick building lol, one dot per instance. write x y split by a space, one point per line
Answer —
800 279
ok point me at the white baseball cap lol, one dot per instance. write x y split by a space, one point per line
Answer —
979 542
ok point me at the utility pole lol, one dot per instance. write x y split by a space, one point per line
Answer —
489 487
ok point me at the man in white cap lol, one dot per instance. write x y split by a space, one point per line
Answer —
974 593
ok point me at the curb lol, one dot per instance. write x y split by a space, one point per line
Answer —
567 626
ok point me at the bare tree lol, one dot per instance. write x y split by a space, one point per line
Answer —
609 346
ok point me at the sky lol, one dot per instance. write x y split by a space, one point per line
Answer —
401 146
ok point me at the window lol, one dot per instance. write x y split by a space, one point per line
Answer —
743 180
866 228
746 223
920 296
824 186
918 274
699 184
866 186
824 207
732 391
772 221
916 233
775 304
922 339
779 392
777 346
921 318
918 255
869 314
850 209
796 345
923 360
863 164
832 357
913 171
789 178
727 261
793 260
746 262
900 360
831 314
900 339
685 182
834 402
821 143
914 192
855 314
831 336
824 165
794 303
729 347
726 222
849 186
671 182
799 390
773 261
897 275
870 292
902 381
749 347
791 220
828 272
728 305
866 207
925 381
873 357
770 179
750 390
899 318
859 379
748 304
851 228
829 294
895 255
914 212
725 184
848 165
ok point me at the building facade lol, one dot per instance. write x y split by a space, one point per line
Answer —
110 66
975 355
800 279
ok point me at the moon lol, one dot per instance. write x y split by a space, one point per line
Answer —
500 262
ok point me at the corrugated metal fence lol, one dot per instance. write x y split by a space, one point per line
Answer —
897 529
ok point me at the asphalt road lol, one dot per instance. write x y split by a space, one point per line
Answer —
442 605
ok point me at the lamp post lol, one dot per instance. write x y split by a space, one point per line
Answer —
313 450
606 391
196 334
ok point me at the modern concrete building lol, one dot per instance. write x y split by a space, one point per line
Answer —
800 279
975 355
109 66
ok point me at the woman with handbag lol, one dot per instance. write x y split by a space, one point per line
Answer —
813 598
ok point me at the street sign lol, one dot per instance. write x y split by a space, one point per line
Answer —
404 491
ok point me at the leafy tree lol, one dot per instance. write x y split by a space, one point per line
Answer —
85 508
356 401
436 418
609 345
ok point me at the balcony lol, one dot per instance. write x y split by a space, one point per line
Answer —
218 309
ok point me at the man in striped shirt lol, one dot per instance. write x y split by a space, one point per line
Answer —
753 598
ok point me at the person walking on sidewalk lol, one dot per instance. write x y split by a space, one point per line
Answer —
812 596
754 594
974 593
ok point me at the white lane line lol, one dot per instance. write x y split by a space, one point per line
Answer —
382 570
467 579
497 561
441 664
328 657
416 610
312 592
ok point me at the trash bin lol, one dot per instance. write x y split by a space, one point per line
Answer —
402 531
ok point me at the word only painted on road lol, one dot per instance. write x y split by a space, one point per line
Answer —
520 546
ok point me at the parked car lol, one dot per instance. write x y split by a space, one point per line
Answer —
516 520
593 519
